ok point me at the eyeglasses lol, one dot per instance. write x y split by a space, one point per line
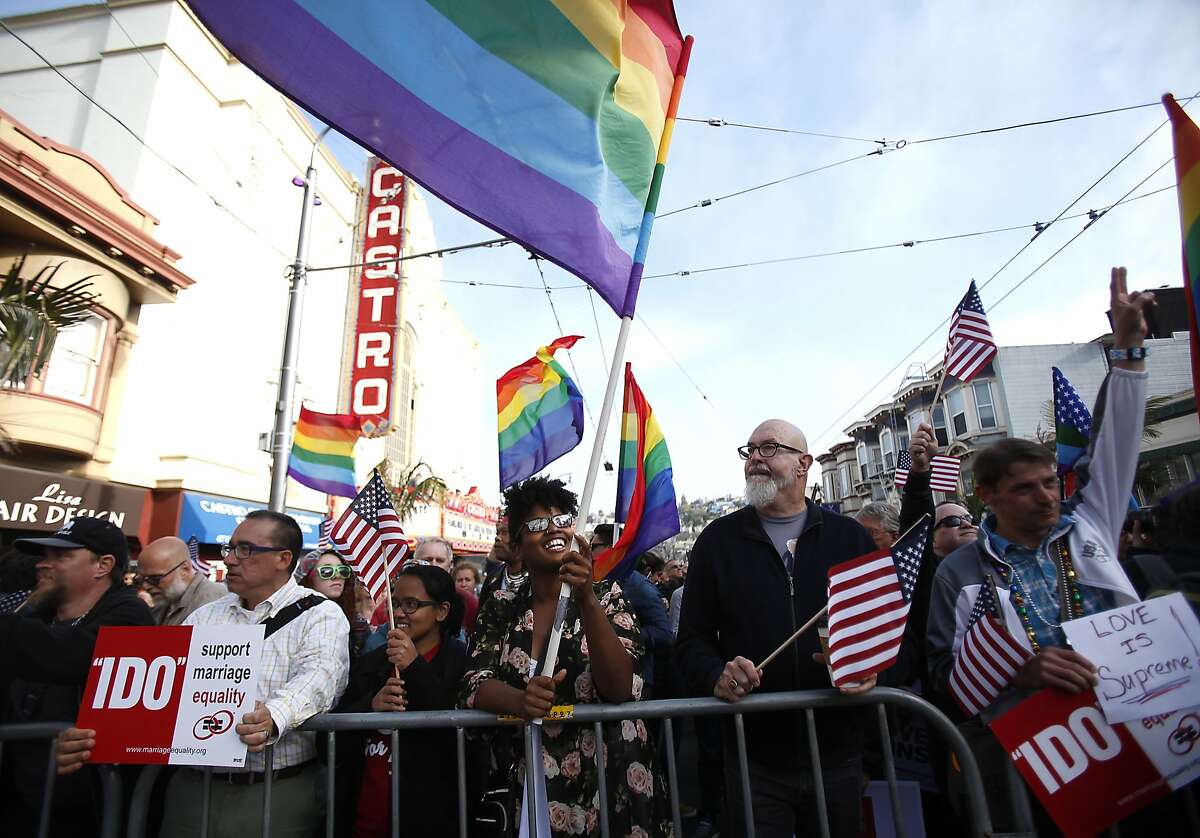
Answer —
410 605
155 579
767 450
244 550
328 571
955 521
560 521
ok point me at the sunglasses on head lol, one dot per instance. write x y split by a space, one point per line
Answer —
955 521
560 521
329 571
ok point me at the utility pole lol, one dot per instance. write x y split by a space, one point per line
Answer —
281 434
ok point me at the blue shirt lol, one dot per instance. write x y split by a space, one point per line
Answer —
1038 572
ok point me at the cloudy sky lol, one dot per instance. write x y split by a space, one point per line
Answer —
809 340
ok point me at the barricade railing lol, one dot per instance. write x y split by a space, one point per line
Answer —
110 778
597 715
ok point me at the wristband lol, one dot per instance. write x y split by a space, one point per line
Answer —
1133 353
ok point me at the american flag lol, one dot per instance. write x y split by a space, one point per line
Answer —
198 564
943 471
868 606
988 658
369 535
969 347
323 538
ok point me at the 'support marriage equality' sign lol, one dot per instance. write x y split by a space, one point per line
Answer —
171 694
1090 774
1146 655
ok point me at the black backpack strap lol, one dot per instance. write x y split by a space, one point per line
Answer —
290 612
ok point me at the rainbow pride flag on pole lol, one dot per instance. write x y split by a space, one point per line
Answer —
539 414
543 119
645 490
1187 172
323 452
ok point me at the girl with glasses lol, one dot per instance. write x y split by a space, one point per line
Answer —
418 669
325 572
599 660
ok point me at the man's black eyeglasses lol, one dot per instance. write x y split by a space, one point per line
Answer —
955 521
244 550
767 450
155 579
410 605
560 521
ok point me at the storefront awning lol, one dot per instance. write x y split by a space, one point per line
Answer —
212 518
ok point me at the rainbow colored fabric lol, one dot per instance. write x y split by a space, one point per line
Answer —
539 414
1187 172
543 119
645 489
323 452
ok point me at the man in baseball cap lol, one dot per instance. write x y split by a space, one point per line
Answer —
45 654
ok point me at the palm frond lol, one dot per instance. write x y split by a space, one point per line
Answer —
32 313
411 487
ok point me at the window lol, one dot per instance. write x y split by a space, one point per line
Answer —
73 371
939 426
983 404
863 470
844 475
916 418
830 493
889 450
958 411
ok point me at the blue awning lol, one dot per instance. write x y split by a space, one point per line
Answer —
212 518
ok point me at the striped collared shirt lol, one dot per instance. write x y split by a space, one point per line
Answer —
305 665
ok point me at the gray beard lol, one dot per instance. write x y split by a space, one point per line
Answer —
761 490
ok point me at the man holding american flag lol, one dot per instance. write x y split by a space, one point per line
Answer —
998 604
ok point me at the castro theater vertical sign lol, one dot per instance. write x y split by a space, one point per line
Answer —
373 354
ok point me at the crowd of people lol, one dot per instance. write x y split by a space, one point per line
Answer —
693 626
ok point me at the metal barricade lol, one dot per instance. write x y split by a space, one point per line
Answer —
598 714
110 779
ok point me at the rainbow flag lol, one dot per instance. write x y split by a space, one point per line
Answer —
1187 172
323 452
543 119
645 490
539 414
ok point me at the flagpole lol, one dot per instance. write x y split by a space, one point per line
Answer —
615 370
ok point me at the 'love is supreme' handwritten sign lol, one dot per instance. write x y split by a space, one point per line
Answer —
1147 655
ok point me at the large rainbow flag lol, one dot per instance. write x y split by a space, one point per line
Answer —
1187 172
539 414
645 490
543 119
323 452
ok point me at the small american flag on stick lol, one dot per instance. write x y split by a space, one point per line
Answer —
969 347
988 658
868 606
943 471
370 537
198 564
323 532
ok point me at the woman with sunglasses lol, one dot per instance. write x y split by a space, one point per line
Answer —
325 572
598 661
419 669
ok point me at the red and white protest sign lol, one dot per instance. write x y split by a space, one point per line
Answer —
171 694
1089 774
373 355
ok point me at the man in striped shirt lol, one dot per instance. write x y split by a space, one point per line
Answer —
305 664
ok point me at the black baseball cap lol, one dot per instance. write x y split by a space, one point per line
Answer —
104 538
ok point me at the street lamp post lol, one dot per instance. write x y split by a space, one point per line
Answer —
281 434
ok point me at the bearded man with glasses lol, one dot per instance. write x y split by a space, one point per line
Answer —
165 572
754 577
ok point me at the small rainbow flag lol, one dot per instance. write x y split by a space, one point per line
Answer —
323 452
547 120
645 490
540 414
1187 172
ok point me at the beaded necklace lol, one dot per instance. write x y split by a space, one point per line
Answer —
1072 607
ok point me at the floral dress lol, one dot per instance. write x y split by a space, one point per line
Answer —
636 795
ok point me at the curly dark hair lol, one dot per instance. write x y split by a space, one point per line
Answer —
440 587
521 497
